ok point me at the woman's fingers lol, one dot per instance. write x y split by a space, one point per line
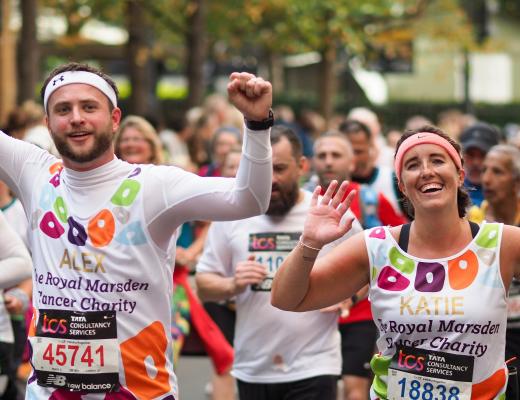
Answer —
348 200
338 197
315 195
330 191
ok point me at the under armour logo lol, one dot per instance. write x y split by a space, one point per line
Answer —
61 78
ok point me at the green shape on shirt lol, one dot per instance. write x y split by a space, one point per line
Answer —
380 365
401 262
488 236
127 192
60 208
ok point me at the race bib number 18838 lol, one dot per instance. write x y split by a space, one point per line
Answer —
429 375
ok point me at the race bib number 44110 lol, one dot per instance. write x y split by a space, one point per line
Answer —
270 249
429 375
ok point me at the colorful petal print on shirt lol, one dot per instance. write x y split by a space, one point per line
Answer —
490 278
135 172
491 387
132 235
47 197
152 343
430 277
487 256
101 228
391 279
378 233
488 236
121 214
51 226
55 180
35 217
380 258
77 234
56 167
63 394
60 208
463 270
400 261
126 193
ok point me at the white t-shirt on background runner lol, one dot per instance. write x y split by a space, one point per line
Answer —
271 345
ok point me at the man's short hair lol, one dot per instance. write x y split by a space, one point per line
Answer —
337 135
352 126
280 131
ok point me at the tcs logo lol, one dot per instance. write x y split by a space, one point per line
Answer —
54 325
263 243
410 361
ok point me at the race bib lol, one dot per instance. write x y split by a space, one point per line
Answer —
430 375
270 249
76 351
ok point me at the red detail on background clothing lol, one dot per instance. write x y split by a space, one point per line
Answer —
360 312
213 340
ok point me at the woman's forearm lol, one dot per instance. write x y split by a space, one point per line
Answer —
291 282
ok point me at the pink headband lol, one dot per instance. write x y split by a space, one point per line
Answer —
424 138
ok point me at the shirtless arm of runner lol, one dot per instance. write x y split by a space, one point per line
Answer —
305 283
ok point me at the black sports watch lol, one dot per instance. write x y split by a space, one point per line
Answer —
261 125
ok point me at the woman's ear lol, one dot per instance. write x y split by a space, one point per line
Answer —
462 175
401 187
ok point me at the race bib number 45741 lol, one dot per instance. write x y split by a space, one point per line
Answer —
76 351
429 375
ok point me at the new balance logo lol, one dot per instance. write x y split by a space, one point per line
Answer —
57 380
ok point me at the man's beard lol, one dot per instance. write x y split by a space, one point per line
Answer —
286 200
324 181
102 143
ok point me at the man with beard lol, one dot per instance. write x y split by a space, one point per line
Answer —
101 232
278 355
476 141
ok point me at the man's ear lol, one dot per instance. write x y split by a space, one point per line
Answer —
116 118
303 166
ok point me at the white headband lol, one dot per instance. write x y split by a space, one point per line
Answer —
88 78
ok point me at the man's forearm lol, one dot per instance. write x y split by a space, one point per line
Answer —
213 287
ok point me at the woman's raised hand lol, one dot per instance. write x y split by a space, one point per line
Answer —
323 224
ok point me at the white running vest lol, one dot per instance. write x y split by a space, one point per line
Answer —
451 305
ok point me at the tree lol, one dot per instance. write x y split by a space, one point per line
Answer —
28 52
327 27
